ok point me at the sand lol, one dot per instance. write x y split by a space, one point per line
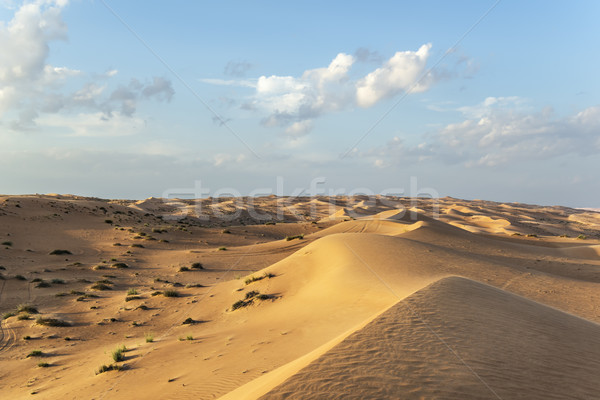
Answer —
349 297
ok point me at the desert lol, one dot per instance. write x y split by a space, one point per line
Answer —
333 297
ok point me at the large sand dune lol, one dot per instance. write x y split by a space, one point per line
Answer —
367 298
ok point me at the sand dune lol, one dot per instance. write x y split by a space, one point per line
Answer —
276 307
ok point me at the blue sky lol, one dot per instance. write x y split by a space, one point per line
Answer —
136 99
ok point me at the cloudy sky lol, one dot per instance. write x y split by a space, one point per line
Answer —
489 100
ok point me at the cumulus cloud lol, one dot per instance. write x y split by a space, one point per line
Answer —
31 88
403 72
294 102
499 131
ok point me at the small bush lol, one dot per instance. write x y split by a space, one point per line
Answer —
222 248
139 246
190 337
58 281
532 235
108 221
582 237
118 355
43 365
111 367
43 284
26 337
20 278
264 297
59 252
51 322
170 293
23 317
117 244
27 308
238 304
183 269
149 337
197 265
35 353
132 292
129 298
100 286
7 243
120 265
225 231
188 321
36 280
251 294
8 315
156 293
288 238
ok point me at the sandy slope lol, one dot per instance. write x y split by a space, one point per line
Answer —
358 258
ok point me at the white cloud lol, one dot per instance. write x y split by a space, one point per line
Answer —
93 124
403 72
295 102
499 131
31 88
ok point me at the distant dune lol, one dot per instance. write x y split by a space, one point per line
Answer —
299 298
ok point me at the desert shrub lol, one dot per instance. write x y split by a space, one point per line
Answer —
188 321
120 265
222 248
149 337
7 243
23 317
137 245
288 238
129 298
100 286
43 365
20 278
108 221
27 308
183 269
197 265
239 304
156 293
43 284
35 353
132 292
26 337
58 281
264 296
582 237
59 252
51 322
190 337
225 231
7 315
170 293
118 354
117 244
36 280
252 294
111 367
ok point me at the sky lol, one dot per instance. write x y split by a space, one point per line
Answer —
495 100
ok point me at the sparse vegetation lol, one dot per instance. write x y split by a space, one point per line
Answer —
132 292
197 265
58 281
51 322
100 286
23 317
43 284
149 337
226 231
43 365
238 304
188 321
139 246
26 337
108 221
129 298
27 308
222 248
35 353
252 294
581 237
118 354
7 315
7 243
288 238
20 278
59 252
189 337
532 235
183 269
111 367
170 293
120 265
